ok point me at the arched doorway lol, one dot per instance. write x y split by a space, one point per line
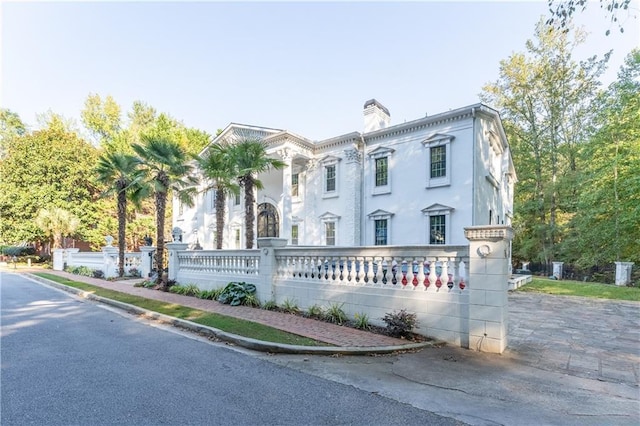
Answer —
268 222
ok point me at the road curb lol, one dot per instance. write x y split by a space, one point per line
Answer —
245 342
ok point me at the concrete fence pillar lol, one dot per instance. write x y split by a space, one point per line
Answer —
266 290
110 255
557 270
174 265
58 259
623 273
146 261
489 263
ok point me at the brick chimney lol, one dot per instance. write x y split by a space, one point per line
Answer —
376 116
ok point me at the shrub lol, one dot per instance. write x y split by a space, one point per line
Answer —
270 305
315 311
400 323
361 321
84 271
134 272
290 307
18 251
235 293
252 301
177 289
335 314
210 294
191 290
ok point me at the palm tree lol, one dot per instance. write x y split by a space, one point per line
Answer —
120 173
165 167
57 223
217 165
250 158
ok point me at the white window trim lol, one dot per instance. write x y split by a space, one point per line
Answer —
436 140
438 210
381 152
295 220
330 161
327 218
380 215
298 198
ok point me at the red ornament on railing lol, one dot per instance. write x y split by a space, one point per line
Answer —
462 285
438 283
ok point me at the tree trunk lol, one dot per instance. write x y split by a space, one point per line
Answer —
249 214
122 222
161 201
220 214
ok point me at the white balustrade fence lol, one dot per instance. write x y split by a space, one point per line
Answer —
458 293
106 261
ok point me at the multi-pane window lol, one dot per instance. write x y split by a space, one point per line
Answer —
294 235
381 232
294 185
437 229
330 178
382 172
438 161
330 233
236 199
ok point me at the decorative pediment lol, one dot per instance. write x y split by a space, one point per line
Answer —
437 209
381 151
328 217
330 159
438 138
380 214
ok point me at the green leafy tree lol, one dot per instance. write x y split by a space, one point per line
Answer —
11 126
120 174
57 223
250 158
218 167
166 167
47 168
545 97
606 226
102 118
561 12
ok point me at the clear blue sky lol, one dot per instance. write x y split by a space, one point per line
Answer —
306 67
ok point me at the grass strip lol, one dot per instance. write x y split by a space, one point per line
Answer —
578 288
221 322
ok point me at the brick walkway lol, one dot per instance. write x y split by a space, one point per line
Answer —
318 330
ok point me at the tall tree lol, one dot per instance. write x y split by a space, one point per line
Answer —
10 126
218 166
563 10
102 118
120 174
45 169
166 167
250 157
606 226
544 97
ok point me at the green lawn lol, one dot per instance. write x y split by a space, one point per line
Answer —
221 322
578 288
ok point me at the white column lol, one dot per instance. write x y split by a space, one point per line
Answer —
352 181
285 228
58 259
623 272
110 255
266 290
488 277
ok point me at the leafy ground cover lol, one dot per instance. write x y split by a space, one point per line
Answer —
221 322
578 288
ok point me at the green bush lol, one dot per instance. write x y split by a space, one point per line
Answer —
252 301
335 314
84 271
235 293
18 251
290 307
210 294
315 311
270 305
361 321
400 323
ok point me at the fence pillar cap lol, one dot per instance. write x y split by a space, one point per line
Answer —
488 233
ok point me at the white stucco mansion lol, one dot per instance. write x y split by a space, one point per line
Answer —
415 183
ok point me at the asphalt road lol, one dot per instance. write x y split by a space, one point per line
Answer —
71 362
